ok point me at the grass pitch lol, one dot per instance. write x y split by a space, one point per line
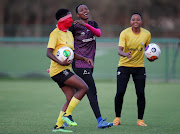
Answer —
32 107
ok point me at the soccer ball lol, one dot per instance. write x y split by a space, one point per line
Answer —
63 53
152 51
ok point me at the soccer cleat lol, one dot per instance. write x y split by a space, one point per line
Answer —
68 119
61 129
65 124
116 121
103 124
141 123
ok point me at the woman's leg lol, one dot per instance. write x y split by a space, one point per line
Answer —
122 81
86 75
77 83
139 78
69 92
140 86
81 89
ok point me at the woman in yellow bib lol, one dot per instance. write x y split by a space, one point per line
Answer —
132 43
72 85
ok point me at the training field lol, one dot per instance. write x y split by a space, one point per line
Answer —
32 107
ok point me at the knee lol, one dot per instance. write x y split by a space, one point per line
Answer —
85 88
119 96
120 93
92 91
141 95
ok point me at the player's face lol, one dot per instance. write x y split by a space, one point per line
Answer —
136 21
83 12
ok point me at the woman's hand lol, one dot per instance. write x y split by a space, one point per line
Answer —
128 55
66 62
121 53
78 57
80 22
89 61
152 59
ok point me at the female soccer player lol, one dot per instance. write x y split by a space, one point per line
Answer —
132 43
72 85
84 32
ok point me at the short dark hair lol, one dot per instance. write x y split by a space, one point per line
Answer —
78 7
137 14
61 13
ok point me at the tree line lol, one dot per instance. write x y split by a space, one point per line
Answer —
37 17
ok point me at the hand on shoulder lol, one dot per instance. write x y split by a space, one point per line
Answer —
80 22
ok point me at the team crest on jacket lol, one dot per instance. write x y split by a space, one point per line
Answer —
82 33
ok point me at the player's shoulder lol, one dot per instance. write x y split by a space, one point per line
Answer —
69 32
54 31
127 30
145 31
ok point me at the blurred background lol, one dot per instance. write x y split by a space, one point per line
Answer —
25 26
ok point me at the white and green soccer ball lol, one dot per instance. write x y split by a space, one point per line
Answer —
63 53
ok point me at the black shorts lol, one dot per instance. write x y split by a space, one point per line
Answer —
61 77
136 72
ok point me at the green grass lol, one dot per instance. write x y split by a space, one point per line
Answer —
32 107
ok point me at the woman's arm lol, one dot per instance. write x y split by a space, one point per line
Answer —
121 53
78 57
95 31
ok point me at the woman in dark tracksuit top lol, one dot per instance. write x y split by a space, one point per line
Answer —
84 32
